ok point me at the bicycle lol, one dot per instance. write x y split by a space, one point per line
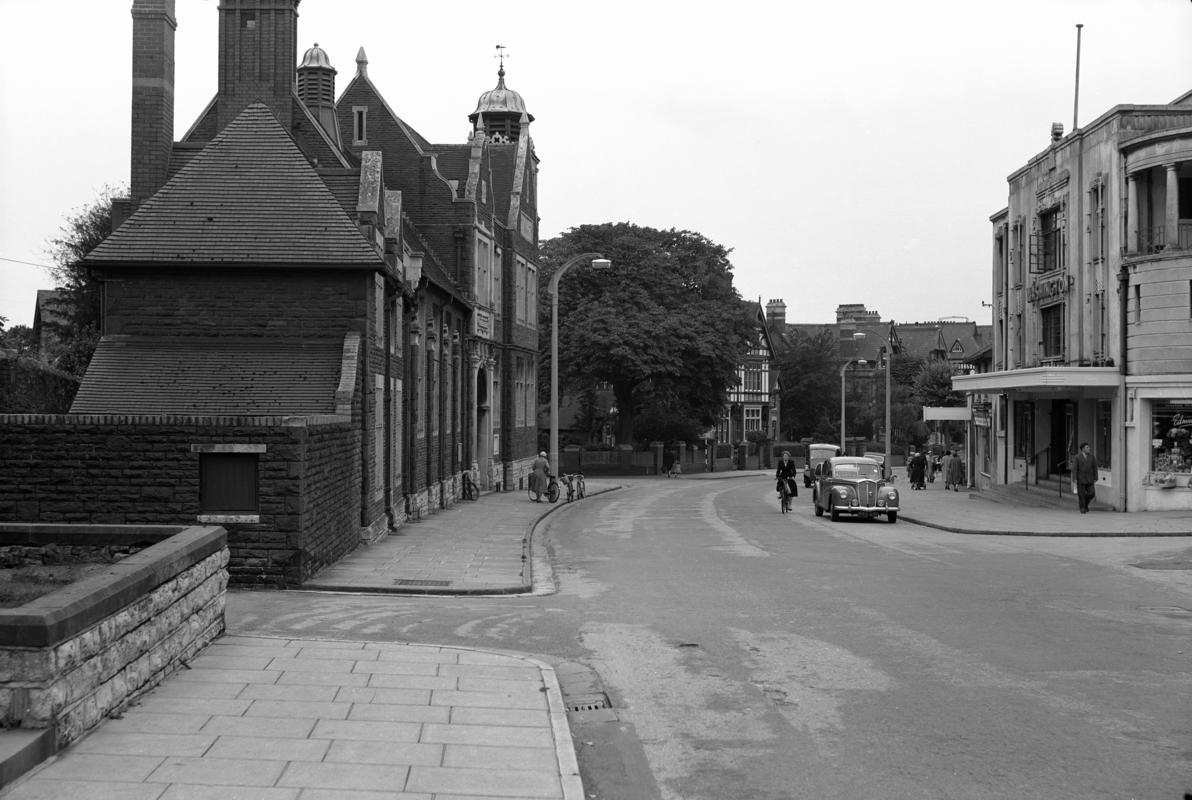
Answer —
784 492
552 490
579 484
568 481
470 491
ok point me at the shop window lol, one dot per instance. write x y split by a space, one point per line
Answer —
1103 446
1171 436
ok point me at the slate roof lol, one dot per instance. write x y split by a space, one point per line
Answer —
210 376
250 197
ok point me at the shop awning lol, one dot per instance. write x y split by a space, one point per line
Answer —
1038 379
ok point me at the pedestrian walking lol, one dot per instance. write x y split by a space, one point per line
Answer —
953 471
540 478
916 470
1086 476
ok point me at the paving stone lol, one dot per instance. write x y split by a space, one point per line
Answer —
260 726
335 653
463 715
323 679
288 691
185 705
219 771
156 723
507 735
297 708
39 788
413 681
400 713
471 756
490 699
323 665
187 791
369 752
194 689
99 767
366 730
400 667
269 748
499 783
226 676
113 742
370 777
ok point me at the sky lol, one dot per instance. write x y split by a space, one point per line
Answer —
845 152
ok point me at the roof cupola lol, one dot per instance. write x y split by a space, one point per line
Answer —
501 112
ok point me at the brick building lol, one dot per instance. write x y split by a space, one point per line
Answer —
314 320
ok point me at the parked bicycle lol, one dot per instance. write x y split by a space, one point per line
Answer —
574 481
470 490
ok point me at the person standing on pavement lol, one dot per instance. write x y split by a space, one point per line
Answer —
1086 476
953 471
540 478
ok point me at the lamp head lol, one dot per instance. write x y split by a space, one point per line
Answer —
601 263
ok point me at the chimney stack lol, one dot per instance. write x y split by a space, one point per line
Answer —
776 313
258 52
1057 131
153 26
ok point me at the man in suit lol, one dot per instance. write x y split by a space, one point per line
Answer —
1086 476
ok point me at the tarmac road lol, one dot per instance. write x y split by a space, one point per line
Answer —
751 654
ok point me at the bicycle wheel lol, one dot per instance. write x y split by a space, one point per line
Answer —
552 493
470 491
580 486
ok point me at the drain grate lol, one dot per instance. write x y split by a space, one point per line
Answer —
588 702
412 582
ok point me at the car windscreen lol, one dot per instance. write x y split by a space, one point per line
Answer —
856 471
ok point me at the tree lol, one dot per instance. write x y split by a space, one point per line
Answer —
807 366
19 338
665 328
933 386
77 307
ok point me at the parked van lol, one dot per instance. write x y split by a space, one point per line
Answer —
817 454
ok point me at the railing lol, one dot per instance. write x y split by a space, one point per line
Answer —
1150 240
1185 236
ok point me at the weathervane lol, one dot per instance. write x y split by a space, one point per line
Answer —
501 56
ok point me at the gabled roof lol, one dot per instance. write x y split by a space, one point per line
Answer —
210 376
250 197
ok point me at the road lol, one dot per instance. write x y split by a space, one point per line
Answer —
754 655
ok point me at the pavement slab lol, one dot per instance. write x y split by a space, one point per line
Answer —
191 739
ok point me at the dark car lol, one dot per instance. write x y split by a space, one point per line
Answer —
853 485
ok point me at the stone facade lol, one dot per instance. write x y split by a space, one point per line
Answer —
70 658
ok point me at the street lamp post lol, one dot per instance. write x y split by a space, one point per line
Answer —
847 364
888 467
597 261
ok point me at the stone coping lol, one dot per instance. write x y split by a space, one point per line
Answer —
64 613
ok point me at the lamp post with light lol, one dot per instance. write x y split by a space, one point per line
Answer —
847 364
597 261
887 468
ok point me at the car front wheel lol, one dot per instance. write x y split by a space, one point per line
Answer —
835 514
892 517
819 510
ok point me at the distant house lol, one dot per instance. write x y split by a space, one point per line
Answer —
754 403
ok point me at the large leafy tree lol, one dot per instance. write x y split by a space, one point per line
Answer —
807 365
75 323
664 327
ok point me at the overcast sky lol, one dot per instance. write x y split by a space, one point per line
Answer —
846 152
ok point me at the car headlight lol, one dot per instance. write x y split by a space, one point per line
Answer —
841 492
892 495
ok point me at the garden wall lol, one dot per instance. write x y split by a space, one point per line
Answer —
72 657
111 469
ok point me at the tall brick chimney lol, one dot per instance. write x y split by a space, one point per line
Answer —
258 52
153 27
776 313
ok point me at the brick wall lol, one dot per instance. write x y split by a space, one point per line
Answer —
123 470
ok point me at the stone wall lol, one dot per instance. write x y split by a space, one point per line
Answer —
145 470
71 658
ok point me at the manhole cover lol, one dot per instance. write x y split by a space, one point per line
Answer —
412 582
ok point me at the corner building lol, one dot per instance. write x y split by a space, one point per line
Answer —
1092 299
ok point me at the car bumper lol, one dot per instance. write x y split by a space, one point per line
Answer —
855 509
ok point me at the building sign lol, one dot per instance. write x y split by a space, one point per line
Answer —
482 324
1049 289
